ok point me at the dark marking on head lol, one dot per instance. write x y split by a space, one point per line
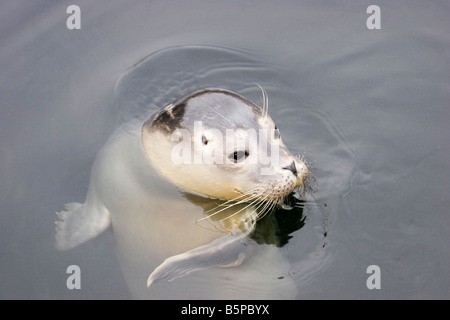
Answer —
169 119
173 116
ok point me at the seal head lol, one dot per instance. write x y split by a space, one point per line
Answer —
219 144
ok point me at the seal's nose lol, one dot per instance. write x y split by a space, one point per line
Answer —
292 168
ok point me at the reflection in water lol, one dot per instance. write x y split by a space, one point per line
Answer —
278 227
274 228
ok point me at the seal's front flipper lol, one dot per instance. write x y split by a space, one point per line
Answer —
79 223
226 251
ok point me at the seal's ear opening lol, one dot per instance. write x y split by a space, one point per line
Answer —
276 133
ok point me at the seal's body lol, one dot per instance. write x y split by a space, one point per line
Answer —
154 205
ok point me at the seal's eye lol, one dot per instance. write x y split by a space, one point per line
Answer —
276 133
204 140
238 155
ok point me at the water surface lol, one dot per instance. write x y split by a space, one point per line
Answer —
367 109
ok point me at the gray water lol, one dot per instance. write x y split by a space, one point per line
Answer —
367 109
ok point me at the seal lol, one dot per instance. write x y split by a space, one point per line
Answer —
183 190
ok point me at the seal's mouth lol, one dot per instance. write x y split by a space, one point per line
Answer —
302 178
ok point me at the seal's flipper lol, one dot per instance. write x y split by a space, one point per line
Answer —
226 251
79 223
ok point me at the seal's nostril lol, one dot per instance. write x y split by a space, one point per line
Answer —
292 168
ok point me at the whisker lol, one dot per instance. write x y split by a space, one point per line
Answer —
244 198
265 98
267 209
228 204
272 208
230 216
260 203
212 226
264 204
234 201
